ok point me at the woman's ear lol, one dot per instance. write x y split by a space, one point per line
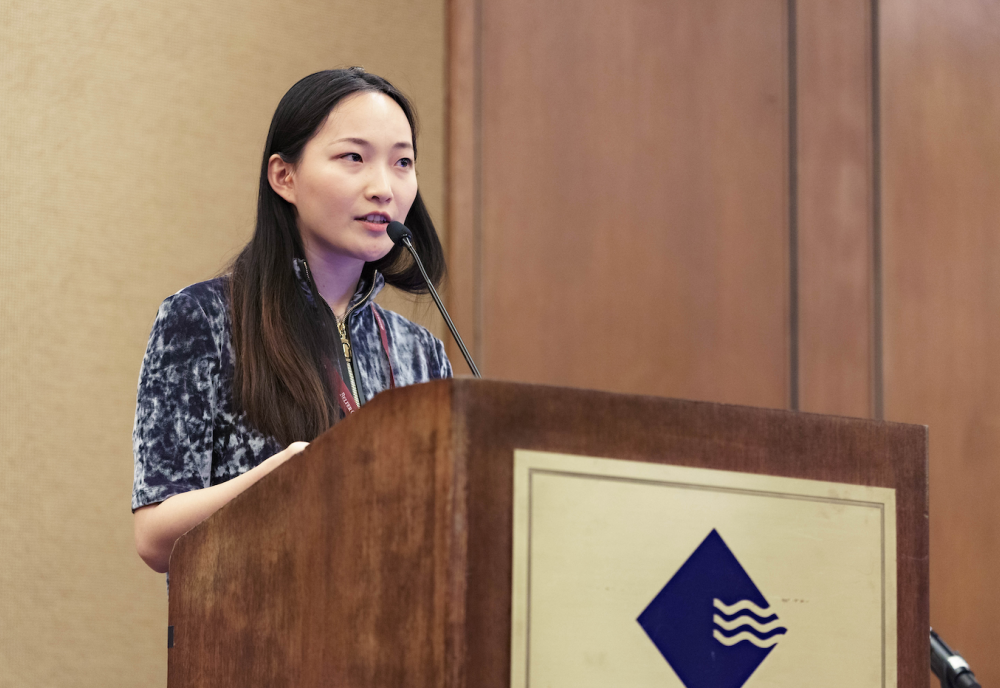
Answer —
281 177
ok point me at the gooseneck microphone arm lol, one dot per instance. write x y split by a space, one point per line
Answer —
949 667
400 235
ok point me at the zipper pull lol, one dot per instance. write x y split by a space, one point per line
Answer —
342 329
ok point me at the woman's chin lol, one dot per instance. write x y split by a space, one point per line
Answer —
367 251
375 253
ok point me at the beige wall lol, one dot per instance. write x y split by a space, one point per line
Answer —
130 136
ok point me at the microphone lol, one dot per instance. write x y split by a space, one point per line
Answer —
400 235
949 667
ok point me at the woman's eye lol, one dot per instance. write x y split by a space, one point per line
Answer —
406 162
353 157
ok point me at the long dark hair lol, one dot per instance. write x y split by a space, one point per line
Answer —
280 341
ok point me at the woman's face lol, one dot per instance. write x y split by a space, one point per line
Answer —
354 177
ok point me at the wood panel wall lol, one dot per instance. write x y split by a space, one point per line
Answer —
941 210
631 216
833 169
669 198
780 203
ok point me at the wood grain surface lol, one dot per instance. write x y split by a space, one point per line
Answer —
382 555
682 110
462 288
633 199
835 207
941 162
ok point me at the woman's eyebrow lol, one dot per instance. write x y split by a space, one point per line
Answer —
351 139
363 142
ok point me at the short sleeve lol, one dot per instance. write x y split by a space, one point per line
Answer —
175 404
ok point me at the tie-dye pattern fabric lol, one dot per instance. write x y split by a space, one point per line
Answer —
187 433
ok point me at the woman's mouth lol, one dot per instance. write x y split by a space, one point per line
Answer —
375 222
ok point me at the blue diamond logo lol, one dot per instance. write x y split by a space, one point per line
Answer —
710 622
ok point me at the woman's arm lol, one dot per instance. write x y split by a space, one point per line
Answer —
158 526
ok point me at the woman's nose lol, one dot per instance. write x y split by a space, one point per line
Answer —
379 185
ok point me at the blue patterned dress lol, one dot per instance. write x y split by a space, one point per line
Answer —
188 433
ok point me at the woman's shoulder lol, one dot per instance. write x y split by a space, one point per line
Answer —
403 326
206 301
415 347
211 296
196 313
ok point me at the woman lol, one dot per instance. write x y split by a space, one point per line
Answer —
243 370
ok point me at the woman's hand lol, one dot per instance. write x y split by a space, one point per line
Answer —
158 526
285 454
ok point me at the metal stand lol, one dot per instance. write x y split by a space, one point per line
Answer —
949 667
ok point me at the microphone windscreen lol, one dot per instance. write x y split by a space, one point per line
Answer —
397 231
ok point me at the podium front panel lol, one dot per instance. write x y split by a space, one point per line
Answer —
640 574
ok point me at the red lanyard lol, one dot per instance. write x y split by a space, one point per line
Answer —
385 344
344 396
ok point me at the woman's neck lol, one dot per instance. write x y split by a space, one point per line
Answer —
336 278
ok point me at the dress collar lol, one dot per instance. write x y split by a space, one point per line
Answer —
369 285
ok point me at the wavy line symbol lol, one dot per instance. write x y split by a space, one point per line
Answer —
744 620
744 635
732 625
742 605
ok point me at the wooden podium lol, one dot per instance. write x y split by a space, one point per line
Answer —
382 555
